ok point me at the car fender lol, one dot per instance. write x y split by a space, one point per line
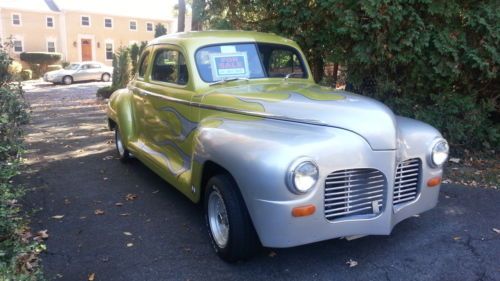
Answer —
120 110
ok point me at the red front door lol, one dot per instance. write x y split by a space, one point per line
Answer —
86 49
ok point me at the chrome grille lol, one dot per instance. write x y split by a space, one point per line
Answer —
354 192
406 181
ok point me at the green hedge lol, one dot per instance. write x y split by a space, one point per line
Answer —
105 92
40 57
18 250
39 61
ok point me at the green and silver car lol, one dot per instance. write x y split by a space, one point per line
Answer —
234 121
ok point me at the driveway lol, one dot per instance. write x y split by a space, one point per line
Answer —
122 222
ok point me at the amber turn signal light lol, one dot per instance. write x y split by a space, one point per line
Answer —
303 211
434 182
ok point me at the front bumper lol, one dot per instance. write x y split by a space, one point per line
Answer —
277 227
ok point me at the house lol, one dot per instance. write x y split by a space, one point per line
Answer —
80 30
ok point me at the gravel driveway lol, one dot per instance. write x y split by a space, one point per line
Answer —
122 222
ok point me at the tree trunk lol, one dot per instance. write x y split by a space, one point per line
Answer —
318 68
181 18
197 14
335 75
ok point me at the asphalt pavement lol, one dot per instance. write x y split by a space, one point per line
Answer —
119 221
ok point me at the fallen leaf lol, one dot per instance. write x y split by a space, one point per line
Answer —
156 191
58 217
131 197
130 245
352 263
82 218
118 204
92 277
127 233
105 178
456 238
43 234
99 212
125 214
272 254
496 230
455 160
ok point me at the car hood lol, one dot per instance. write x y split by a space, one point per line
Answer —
311 104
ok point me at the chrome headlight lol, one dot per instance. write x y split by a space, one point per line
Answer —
439 153
302 176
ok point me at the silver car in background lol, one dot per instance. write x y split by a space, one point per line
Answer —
80 71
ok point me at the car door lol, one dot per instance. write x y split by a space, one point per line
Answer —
78 75
170 120
95 71
137 86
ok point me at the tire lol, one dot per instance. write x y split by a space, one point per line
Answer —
67 80
105 77
123 153
232 234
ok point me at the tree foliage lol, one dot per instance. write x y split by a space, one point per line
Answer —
160 30
433 60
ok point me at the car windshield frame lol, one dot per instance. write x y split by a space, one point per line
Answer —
73 66
302 61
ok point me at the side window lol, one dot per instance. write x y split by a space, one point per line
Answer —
283 62
143 66
169 66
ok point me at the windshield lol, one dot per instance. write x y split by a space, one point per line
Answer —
249 60
73 66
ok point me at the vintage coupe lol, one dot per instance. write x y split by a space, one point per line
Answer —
80 71
234 120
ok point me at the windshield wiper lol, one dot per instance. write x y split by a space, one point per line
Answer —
225 80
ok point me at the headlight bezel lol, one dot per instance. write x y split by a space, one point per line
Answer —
432 152
292 172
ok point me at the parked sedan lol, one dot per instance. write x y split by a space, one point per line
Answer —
234 121
80 71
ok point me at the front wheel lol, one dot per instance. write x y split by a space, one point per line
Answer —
123 153
67 80
229 225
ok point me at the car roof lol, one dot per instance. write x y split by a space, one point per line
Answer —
195 39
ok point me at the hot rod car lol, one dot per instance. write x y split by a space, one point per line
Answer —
235 121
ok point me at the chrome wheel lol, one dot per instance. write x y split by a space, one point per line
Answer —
217 218
119 144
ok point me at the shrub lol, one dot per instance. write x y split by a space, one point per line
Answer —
105 92
18 250
64 64
121 68
15 68
41 59
53 67
134 56
26 74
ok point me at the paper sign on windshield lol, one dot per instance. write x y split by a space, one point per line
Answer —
229 65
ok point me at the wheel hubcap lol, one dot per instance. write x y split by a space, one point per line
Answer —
119 144
217 218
